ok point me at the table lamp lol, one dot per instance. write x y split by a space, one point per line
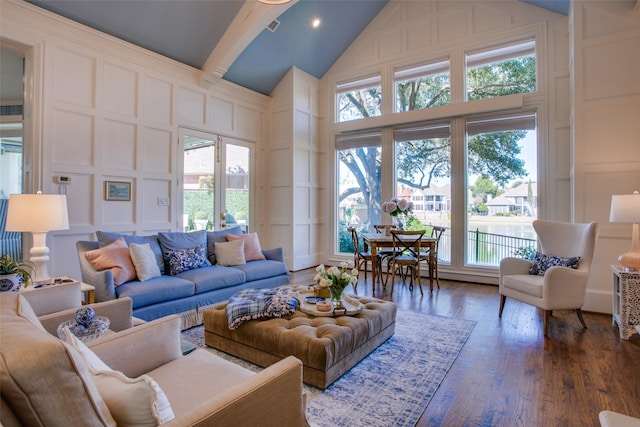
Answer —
38 214
626 208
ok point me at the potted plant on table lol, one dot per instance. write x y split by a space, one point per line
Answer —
13 274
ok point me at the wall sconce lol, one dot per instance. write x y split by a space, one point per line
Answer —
38 214
626 208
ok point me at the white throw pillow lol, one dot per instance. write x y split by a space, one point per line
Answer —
144 260
131 401
230 253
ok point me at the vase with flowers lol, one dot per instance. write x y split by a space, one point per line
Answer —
336 279
398 209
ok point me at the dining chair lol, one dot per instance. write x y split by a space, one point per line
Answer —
360 258
406 254
383 254
436 233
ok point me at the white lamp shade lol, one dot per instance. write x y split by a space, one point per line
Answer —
37 213
625 208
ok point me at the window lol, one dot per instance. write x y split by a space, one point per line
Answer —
421 87
502 190
423 170
359 185
359 99
501 71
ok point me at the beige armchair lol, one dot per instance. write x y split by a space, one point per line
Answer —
47 382
560 288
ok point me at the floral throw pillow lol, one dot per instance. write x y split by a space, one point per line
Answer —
542 262
187 259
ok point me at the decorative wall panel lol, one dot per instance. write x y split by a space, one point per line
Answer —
152 191
120 90
71 141
119 145
157 100
249 122
75 77
221 113
157 152
191 107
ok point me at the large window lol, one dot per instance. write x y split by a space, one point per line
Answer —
473 172
501 71
423 86
359 185
502 189
358 99
423 171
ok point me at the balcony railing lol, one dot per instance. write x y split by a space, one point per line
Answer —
486 248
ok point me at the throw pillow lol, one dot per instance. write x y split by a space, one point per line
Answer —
144 260
230 253
541 263
114 257
187 259
171 241
214 237
106 237
252 249
131 401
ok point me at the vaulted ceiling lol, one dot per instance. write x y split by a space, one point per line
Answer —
229 39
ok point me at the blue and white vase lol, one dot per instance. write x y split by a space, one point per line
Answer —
11 282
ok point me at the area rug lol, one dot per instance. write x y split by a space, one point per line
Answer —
394 384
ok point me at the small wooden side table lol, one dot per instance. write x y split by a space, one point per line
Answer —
88 292
626 301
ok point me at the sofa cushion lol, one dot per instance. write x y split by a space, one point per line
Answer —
214 237
187 259
144 261
252 249
105 237
42 377
156 290
213 277
115 257
256 270
230 253
132 401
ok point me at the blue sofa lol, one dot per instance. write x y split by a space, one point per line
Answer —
187 293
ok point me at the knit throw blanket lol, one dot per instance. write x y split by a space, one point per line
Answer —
250 304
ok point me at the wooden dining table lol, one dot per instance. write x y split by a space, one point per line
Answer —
376 241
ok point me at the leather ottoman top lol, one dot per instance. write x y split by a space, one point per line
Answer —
319 342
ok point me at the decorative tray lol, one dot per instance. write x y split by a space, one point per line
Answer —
96 329
351 305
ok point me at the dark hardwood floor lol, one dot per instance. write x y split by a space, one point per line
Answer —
508 374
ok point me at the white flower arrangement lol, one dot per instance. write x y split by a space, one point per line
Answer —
395 207
336 278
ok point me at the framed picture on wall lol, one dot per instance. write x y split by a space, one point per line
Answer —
117 191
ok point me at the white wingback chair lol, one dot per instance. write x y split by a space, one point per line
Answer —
561 288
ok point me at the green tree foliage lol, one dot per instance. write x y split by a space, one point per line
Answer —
421 93
502 78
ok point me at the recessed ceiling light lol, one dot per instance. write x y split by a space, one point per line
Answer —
315 22
273 2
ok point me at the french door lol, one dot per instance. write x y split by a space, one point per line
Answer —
216 181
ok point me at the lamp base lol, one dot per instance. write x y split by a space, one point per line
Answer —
630 261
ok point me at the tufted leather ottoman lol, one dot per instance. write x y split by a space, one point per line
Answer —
327 346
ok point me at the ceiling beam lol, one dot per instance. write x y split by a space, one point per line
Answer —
252 18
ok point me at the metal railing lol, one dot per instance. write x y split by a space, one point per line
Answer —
486 248
489 248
